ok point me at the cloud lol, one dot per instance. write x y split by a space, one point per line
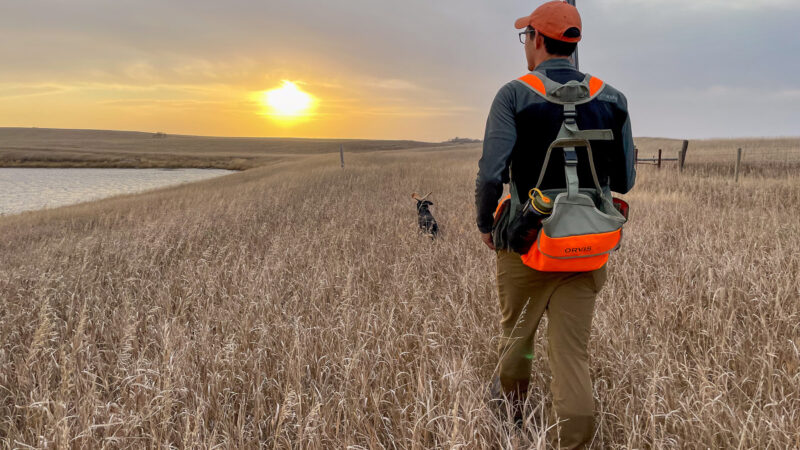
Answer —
8 91
417 111
157 103
770 95
420 69
736 5
395 84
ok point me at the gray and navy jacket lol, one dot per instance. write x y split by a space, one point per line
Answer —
522 125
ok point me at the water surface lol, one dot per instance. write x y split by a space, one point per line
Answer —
24 189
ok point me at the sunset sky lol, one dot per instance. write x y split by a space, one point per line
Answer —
416 69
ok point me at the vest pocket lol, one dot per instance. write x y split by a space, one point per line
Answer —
500 226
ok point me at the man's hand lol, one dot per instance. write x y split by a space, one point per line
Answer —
487 239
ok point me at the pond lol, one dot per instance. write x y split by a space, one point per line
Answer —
23 189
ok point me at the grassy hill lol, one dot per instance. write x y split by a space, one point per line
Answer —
42 147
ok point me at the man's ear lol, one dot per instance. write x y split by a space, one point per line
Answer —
539 41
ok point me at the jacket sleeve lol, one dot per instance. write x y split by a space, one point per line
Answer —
624 174
498 142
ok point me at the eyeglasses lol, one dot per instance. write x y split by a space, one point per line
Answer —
523 34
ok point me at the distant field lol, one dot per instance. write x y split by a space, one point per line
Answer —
295 305
41 147
38 147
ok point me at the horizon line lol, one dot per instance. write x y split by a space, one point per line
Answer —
476 140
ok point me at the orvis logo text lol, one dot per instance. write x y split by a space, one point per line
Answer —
573 250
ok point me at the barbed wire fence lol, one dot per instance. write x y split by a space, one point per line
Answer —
746 158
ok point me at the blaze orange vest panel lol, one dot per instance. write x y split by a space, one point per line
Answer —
534 82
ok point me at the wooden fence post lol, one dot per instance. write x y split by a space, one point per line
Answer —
659 158
682 156
341 154
738 162
636 156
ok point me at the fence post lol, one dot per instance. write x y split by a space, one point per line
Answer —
636 156
659 158
738 162
341 154
682 156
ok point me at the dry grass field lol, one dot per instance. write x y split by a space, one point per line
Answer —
294 305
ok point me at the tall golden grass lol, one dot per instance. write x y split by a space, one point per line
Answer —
296 306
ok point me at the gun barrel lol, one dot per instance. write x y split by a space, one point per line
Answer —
574 55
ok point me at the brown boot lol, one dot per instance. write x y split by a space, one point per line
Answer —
507 398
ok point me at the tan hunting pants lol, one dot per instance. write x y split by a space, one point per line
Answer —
525 294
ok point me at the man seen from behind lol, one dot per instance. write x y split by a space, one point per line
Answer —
519 130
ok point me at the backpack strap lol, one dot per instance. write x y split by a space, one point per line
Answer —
569 141
577 92
595 85
534 82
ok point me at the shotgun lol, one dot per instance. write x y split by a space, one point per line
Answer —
574 55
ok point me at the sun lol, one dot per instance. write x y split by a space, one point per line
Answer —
287 102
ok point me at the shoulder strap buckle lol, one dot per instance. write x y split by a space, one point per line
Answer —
570 117
570 156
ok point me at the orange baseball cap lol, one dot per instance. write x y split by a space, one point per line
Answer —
553 19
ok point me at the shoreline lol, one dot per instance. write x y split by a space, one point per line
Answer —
71 164
25 193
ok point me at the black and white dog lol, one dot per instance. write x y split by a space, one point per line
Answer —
427 224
